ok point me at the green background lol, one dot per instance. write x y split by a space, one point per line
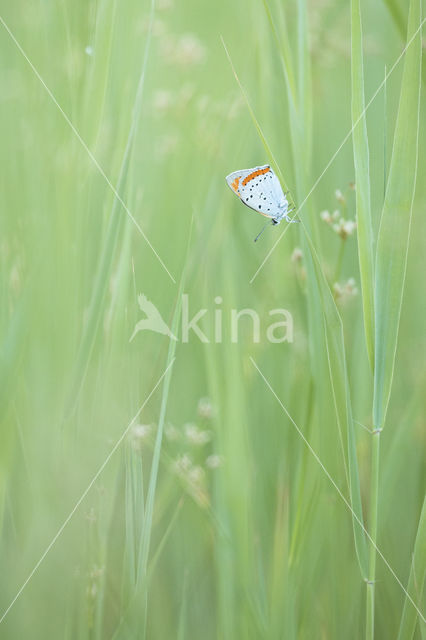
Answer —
262 546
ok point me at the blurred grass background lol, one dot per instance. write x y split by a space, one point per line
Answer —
248 538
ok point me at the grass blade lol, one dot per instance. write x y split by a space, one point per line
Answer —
341 396
362 180
401 24
106 260
134 509
301 122
255 121
183 614
133 623
416 580
152 484
283 47
394 231
391 264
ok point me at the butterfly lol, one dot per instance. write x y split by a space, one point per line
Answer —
260 190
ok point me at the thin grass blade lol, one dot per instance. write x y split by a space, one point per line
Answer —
134 510
283 47
133 623
398 17
255 121
362 180
415 581
341 395
116 221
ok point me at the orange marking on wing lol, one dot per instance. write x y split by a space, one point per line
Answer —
259 172
235 184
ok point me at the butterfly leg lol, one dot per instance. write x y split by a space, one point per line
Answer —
287 217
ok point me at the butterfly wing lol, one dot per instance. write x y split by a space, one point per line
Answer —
278 191
259 191
281 198
236 178
257 188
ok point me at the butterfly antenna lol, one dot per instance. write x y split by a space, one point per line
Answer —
261 231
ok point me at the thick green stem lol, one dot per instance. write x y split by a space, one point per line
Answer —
374 496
